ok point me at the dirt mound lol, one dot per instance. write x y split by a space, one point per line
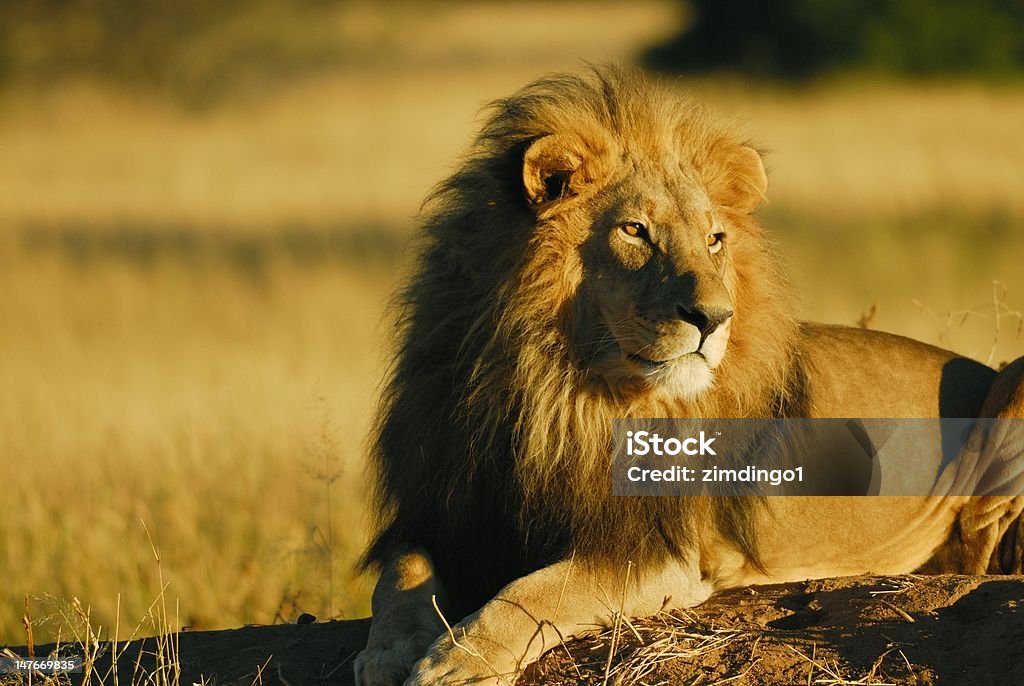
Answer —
959 630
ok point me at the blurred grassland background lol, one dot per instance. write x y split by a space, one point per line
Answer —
203 209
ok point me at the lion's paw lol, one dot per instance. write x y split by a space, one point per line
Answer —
456 667
389 665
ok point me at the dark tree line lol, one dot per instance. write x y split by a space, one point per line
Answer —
802 38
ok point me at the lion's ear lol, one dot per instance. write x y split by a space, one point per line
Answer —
551 166
748 180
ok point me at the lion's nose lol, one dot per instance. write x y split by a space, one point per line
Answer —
706 319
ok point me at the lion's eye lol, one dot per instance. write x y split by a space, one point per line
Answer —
634 230
715 242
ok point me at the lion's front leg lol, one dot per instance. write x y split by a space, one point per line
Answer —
537 612
404 623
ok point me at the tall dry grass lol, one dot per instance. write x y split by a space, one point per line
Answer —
203 399
368 145
190 303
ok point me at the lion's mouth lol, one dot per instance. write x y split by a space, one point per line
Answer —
652 365
644 362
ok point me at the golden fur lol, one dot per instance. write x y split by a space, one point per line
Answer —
491 454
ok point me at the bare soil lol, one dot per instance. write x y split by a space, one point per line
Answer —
959 630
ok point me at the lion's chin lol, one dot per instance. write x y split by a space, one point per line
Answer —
684 377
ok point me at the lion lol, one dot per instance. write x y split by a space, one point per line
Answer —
597 256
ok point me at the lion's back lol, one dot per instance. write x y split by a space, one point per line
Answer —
856 372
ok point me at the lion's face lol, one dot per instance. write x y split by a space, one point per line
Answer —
654 305
657 287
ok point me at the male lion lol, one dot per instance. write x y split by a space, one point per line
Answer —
596 257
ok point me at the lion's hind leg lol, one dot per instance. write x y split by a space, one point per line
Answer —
988 533
988 536
1006 401
1006 397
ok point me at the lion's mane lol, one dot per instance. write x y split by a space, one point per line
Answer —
492 445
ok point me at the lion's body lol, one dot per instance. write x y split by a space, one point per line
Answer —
596 258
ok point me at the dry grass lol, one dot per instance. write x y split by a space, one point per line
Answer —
186 382
614 656
368 141
194 397
81 637
364 142
877 149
